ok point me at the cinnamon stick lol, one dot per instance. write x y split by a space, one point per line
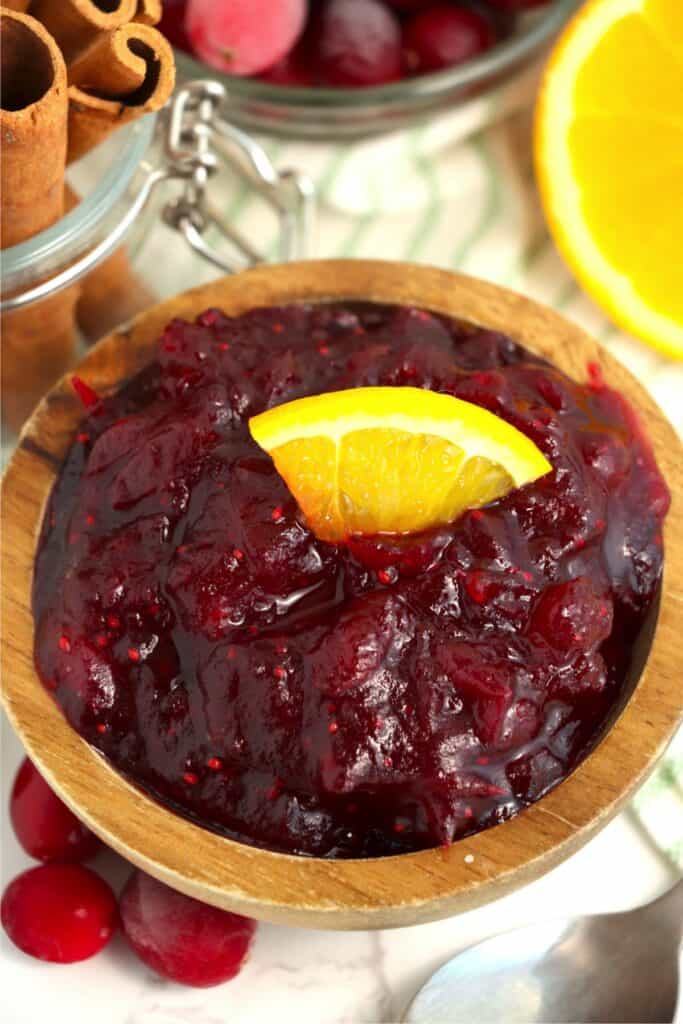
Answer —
125 74
38 346
149 12
112 293
77 24
38 342
33 121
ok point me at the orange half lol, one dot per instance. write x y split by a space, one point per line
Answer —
609 160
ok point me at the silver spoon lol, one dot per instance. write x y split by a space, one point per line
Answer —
615 967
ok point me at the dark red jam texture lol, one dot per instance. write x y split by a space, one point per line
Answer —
382 696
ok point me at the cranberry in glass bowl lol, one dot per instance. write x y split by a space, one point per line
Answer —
314 91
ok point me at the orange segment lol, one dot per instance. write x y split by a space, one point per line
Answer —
392 460
609 158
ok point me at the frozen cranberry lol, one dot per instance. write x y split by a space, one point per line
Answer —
172 23
244 37
444 36
45 826
356 42
59 912
181 938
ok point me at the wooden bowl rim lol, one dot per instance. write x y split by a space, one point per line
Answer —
390 891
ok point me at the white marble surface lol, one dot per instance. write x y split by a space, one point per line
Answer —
304 976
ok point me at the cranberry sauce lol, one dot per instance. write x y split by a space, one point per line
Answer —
384 695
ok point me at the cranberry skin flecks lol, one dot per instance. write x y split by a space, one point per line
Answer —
380 696
181 938
43 824
59 912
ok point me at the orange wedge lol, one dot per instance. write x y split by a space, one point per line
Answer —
609 159
392 460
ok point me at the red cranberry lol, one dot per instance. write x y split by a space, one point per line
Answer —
356 42
59 912
244 37
45 826
443 36
172 23
181 938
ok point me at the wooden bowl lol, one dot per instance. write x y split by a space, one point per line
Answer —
379 893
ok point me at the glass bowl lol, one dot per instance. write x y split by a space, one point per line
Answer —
318 113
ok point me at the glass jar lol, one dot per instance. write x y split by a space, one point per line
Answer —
334 114
101 264
39 339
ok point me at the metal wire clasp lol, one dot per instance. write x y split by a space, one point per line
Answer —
198 142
